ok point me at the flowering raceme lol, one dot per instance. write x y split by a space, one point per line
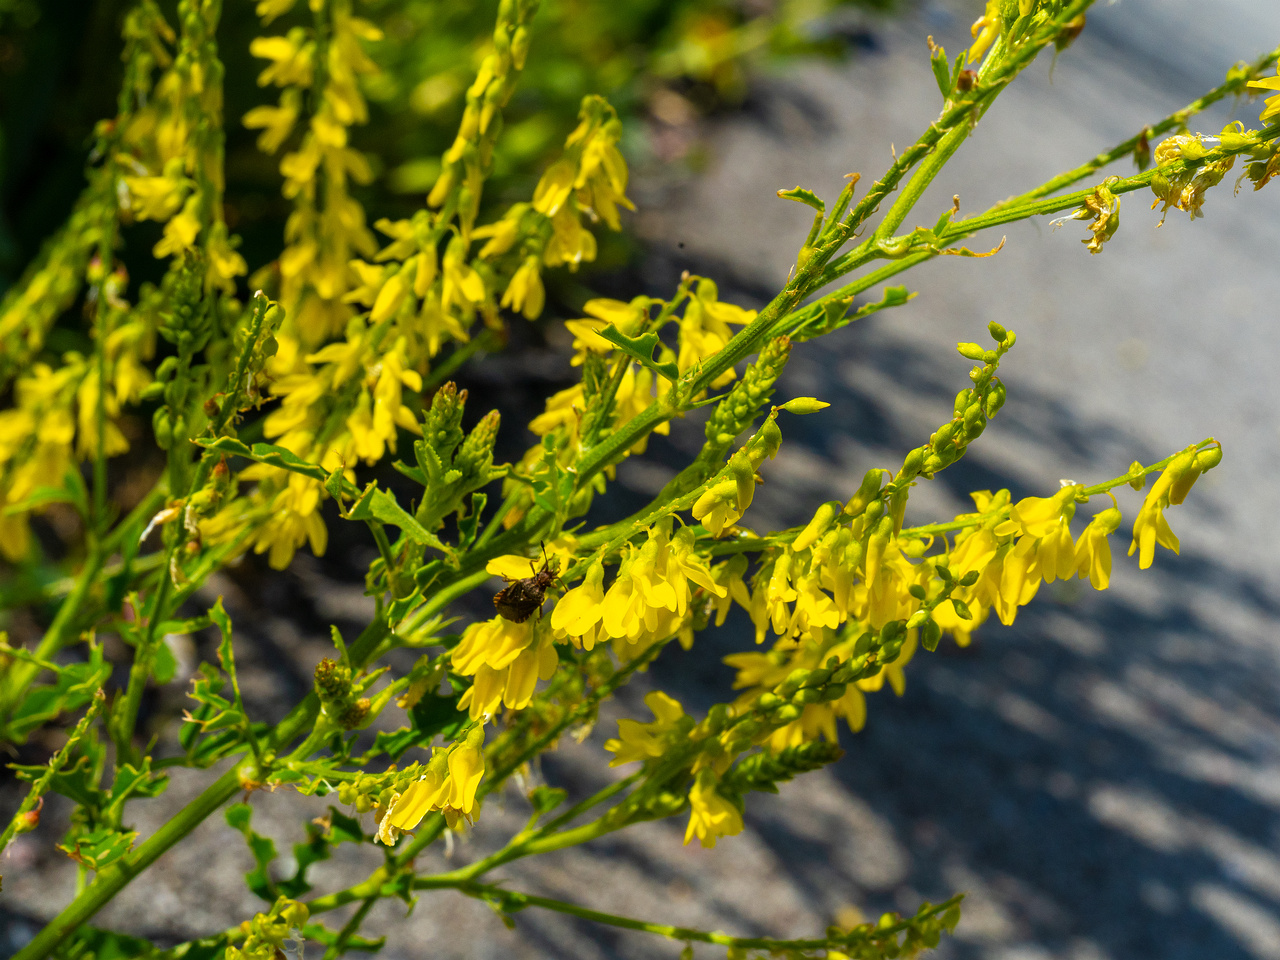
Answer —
256 423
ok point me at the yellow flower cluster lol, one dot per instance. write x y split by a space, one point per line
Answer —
649 600
327 223
448 784
506 660
343 403
170 149
711 814
839 584
53 424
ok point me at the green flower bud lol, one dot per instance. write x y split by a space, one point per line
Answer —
868 492
995 399
803 405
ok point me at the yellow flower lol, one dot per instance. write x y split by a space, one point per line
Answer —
1038 516
181 231
571 243
506 660
627 318
711 816
1150 527
294 518
704 329
524 293
276 123
1093 552
642 741
449 783
577 614
1056 553
985 30
1272 108
291 59
158 198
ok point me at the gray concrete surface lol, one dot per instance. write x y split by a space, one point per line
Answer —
1104 777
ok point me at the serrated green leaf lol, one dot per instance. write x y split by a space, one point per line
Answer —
941 71
263 849
97 848
344 829
805 196
641 350
378 504
413 473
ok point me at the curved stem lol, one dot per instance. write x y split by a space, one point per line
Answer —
511 900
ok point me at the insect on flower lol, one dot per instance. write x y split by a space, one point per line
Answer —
517 601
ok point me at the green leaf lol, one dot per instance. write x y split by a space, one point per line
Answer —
413 473
469 525
641 350
239 816
805 196
378 504
941 70
131 781
344 829
274 456
75 686
97 848
545 799
436 714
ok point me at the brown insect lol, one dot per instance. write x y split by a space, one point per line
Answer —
520 598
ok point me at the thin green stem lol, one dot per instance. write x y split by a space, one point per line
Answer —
512 900
35 795
349 929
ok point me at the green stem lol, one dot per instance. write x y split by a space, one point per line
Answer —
512 900
35 795
1173 121
339 946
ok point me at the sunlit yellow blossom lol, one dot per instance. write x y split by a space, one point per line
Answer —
1272 104
711 816
985 30
638 741
704 329
577 614
449 783
1056 553
627 318
505 661
1038 516
1093 552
